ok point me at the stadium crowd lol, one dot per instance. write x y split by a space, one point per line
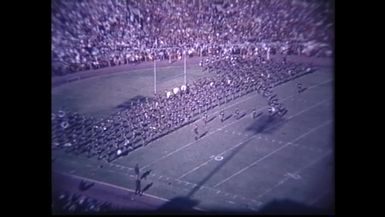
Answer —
92 34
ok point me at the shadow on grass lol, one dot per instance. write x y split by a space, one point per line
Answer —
179 205
289 207
266 124
228 117
135 100
279 207
241 116
211 119
203 134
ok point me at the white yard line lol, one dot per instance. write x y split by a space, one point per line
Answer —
221 128
276 150
112 185
119 187
248 139
319 197
180 182
296 172
232 105
222 153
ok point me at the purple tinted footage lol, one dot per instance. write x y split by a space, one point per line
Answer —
202 106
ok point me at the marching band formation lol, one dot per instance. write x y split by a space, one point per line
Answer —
120 133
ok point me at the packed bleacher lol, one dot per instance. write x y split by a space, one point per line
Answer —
93 34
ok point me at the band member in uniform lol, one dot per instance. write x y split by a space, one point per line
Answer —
222 114
254 113
137 171
205 117
299 87
137 186
236 114
196 132
272 111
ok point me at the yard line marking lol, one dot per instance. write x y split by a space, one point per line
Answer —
111 185
206 162
319 197
315 149
215 131
295 173
293 176
271 153
265 192
132 176
121 166
222 153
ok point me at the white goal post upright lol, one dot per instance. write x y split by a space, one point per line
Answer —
155 49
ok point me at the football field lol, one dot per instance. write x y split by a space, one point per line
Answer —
239 165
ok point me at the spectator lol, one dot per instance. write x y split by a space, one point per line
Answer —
96 34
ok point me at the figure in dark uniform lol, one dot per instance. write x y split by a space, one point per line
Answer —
196 132
137 170
236 113
254 113
137 187
222 114
300 87
205 118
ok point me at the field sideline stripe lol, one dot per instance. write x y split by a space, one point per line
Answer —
110 185
118 187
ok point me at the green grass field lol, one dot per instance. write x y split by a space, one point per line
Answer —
100 96
261 162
